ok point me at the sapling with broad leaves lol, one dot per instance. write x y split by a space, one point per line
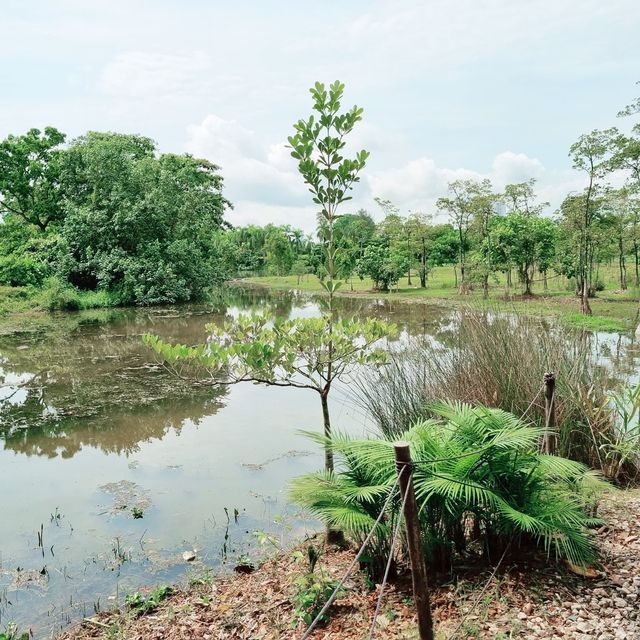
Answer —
303 353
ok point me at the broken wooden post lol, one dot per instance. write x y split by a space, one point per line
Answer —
550 442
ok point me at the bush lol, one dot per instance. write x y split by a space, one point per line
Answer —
21 271
478 479
57 296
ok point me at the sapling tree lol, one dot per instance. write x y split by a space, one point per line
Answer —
303 353
590 153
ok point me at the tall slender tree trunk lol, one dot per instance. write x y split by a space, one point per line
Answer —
423 266
622 265
544 280
328 452
636 255
485 287
409 258
585 307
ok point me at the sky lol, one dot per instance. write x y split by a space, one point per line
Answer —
450 88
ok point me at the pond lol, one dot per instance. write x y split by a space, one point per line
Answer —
96 434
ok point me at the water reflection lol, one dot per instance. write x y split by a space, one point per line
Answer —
93 383
84 405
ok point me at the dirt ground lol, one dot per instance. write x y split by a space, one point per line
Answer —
522 599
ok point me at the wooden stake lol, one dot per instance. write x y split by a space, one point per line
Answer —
549 444
416 555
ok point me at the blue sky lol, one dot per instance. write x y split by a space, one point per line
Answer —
464 88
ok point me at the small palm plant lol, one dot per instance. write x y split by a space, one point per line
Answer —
478 477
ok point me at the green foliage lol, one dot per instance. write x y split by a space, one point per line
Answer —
139 225
30 177
312 590
620 448
139 604
279 253
296 352
330 176
525 241
382 265
481 361
482 469
11 633
57 296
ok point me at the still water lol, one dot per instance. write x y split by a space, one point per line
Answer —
94 432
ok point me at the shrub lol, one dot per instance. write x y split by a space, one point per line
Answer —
486 483
21 271
57 296
312 590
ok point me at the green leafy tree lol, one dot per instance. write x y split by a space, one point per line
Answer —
30 177
306 353
521 197
279 252
590 154
382 264
482 201
300 267
525 241
140 225
459 208
353 232
418 229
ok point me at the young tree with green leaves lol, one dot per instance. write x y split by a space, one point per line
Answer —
304 353
526 242
279 252
590 154
459 208
382 264
483 200
418 228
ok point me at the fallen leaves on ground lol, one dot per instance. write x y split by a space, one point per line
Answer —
527 598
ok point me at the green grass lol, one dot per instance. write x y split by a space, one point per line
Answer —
53 297
613 310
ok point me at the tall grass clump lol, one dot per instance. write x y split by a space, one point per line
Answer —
499 360
480 483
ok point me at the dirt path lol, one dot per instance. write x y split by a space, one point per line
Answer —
531 599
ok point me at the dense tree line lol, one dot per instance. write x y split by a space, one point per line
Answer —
107 212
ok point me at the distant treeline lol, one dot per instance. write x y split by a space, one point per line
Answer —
106 213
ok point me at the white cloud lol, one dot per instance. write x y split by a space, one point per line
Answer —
251 212
150 75
262 180
509 167
254 171
418 184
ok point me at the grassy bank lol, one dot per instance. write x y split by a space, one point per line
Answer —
53 297
613 310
